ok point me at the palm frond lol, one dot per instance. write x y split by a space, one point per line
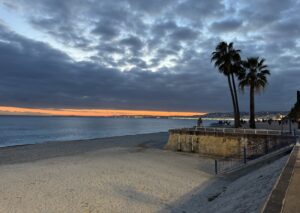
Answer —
256 73
226 58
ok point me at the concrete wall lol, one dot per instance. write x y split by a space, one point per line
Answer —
225 145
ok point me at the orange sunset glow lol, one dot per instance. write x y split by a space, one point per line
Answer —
7 110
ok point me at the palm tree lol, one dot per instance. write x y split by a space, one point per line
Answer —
228 61
255 76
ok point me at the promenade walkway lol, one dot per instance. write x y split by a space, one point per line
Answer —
292 198
285 196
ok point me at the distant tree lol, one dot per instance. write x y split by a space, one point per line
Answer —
228 61
255 77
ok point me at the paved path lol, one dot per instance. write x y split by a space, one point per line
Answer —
292 198
285 196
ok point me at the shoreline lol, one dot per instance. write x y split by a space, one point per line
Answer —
51 149
84 139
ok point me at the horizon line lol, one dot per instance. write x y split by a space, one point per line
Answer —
10 110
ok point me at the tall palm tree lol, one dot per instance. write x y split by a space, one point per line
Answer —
255 77
228 61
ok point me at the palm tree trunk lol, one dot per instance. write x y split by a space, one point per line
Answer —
252 109
238 116
233 101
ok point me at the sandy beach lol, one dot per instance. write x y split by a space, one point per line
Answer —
121 174
89 178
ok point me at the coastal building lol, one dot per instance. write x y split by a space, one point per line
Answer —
295 111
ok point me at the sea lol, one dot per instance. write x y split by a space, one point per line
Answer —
21 130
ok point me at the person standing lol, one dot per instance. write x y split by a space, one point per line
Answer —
199 122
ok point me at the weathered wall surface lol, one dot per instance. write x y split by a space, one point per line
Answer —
225 145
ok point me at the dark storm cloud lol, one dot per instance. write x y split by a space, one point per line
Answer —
146 54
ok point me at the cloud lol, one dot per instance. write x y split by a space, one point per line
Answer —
133 42
153 6
106 31
226 25
139 54
162 28
184 33
195 9
36 75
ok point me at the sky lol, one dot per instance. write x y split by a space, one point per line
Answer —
128 55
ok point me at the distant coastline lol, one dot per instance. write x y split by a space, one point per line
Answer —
206 116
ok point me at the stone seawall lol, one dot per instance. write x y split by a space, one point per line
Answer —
226 145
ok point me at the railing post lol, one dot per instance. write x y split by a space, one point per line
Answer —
245 154
216 167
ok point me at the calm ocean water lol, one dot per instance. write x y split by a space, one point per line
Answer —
17 130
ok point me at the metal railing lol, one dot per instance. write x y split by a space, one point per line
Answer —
223 166
248 153
242 131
